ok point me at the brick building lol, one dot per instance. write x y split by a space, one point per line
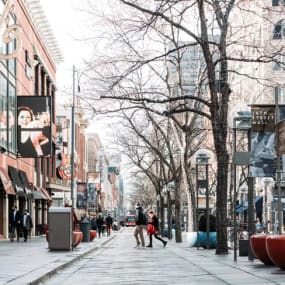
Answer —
29 71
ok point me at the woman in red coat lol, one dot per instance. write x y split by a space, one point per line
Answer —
152 228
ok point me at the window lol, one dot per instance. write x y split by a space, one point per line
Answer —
279 63
280 91
8 114
279 30
278 2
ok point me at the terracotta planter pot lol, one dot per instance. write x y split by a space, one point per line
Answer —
93 234
258 247
275 248
77 238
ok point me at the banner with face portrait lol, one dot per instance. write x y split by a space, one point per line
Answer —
262 152
34 126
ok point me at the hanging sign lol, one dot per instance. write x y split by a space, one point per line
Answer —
10 32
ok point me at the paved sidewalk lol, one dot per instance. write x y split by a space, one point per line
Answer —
31 262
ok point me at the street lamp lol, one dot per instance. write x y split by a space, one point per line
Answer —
170 188
242 122
202 162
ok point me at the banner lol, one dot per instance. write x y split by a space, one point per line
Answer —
34 126
81 195
262 152
91 201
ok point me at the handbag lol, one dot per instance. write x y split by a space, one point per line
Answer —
151 229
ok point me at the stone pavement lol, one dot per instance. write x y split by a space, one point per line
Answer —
116 261
31 262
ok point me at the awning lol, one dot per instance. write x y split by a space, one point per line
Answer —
38 195
6 182
46 194
25 182
16 181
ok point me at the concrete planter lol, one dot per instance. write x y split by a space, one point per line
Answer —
77 238
202 239
275 248
191 238
258 247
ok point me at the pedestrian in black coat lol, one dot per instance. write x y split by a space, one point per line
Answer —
16 223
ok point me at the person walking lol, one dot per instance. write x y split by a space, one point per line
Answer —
152 229
27 224
109 223
99 224
15 223
139 226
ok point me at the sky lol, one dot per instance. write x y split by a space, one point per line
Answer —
69 26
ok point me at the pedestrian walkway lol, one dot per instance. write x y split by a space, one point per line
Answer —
117 261
31 262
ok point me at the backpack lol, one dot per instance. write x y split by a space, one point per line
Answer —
144 219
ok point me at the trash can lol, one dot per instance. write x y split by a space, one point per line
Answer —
85 227
60 229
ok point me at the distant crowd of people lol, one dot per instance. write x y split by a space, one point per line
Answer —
102 225
20 224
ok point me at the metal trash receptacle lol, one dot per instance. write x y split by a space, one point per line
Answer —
85 228
60 228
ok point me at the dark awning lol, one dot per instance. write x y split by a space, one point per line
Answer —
6 182
25 182
16 181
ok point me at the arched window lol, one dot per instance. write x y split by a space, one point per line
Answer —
279 30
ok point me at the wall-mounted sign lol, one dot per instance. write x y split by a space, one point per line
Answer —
11 32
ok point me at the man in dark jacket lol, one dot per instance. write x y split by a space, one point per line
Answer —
139 226
99 224
27 224
15 223
109 223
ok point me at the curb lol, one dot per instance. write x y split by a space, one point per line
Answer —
47 275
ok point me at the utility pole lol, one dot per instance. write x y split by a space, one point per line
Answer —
72 146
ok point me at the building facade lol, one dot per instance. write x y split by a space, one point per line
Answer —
30 71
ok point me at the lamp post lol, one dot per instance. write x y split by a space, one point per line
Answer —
202 161
242 122
72 145
267 182
170 187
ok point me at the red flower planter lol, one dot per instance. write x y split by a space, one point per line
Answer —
258 247
275 248
93 234
77 238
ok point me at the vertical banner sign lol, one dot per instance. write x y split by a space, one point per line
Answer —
81 195
262 150
34 126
